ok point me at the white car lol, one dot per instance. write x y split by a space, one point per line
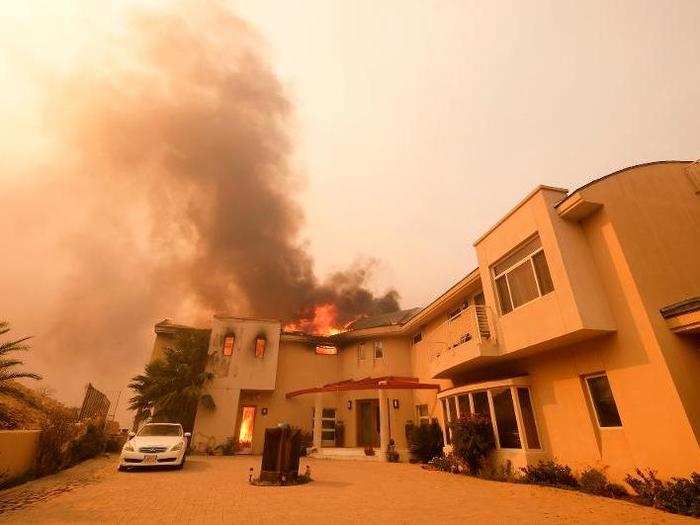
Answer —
155 445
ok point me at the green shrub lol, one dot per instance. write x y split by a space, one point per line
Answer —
57 429
594 481
502 472
425 440
89 444
679 495
549 473
472 440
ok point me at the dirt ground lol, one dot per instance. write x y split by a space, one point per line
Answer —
216 489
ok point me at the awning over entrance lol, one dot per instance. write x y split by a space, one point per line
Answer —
368 383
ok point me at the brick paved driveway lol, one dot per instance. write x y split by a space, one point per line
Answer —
216 489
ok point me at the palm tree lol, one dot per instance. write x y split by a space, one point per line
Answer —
8 373
171 388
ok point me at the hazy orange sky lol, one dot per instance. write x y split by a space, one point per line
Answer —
417 125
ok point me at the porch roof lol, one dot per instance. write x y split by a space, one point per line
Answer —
368 383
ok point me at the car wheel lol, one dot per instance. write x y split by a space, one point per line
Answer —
121 468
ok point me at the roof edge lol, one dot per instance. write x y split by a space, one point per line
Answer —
618 172
515 208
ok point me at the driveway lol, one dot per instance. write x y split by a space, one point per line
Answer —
216 489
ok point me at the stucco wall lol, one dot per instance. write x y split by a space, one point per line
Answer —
17 452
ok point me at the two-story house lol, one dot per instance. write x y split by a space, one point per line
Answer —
578 335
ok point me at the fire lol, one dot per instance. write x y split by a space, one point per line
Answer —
323 322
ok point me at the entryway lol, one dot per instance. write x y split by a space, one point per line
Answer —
245 432
367 422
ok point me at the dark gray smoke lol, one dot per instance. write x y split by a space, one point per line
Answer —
172 195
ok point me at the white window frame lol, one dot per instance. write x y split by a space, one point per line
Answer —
529 258
335 413
377 344
592 401
524 447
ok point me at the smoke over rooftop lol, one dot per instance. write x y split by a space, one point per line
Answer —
167 190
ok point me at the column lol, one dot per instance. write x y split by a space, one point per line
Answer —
318 411
384 434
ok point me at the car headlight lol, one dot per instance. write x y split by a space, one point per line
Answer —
128 447
177 446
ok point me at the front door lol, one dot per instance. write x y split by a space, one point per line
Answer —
368 423
245 432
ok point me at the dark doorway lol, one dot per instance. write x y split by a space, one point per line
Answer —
367 422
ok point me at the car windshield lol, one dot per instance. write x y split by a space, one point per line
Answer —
161 430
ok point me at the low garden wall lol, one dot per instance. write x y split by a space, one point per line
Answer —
17 452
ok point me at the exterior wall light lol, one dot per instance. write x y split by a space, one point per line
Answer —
349 404
263 411
395 403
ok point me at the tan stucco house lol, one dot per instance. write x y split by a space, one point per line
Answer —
578 334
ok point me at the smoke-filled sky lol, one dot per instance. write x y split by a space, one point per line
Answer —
169 159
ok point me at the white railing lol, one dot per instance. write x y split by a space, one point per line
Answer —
473 325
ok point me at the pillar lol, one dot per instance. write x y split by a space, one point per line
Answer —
318 412
384 433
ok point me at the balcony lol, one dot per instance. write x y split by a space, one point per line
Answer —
469 340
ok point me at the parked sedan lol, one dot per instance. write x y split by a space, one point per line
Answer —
156 444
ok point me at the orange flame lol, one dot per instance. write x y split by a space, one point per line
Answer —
323 322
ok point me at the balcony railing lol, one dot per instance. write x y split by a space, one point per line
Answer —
465 337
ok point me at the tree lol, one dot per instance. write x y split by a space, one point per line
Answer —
171 388
8 372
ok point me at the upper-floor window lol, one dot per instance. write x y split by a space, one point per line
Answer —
378 350
361 352
229 340
326 350
603 401
417 338
522 276
260 343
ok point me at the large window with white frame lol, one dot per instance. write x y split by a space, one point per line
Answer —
522 276
508 407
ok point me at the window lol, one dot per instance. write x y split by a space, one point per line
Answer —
260 344
326 350
327 426
603 401
361 352
378 350
522 276
503 399
417 338
533 440
422 413
507 424
481 404
229 340
463 404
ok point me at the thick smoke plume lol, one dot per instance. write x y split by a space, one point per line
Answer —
169 193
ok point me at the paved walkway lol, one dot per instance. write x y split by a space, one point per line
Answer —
216 489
